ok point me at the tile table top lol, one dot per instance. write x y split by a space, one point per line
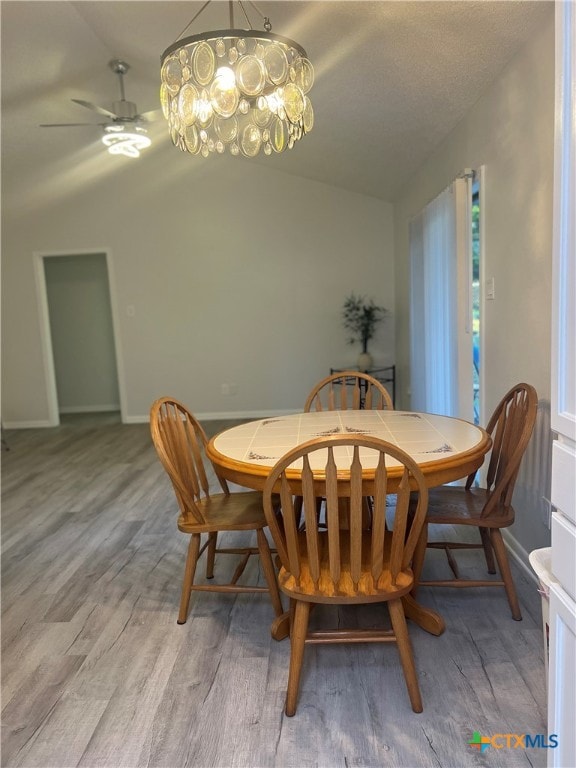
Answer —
427 438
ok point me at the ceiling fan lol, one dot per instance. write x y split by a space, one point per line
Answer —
125 131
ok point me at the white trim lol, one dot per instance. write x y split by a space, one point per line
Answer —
26 424
46 339
562 623
116 330
144 419
219 416
562 620
463 240
519 554
115 407
564 237
45 342
481 175
482 415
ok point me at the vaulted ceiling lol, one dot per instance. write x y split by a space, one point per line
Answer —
393 79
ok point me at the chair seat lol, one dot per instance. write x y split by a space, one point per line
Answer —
367 590
454 505
234 512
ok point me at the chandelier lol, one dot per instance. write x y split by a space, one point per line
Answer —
237 91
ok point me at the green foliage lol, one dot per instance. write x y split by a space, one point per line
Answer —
361 316
475 240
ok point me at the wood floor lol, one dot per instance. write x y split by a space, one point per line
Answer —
96 672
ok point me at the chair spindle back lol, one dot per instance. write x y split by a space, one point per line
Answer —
382 547
349 390
180 440
510 427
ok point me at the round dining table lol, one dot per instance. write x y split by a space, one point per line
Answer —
445 448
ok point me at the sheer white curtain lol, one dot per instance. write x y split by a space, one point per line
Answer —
441 312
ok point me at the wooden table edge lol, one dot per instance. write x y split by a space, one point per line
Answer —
437 472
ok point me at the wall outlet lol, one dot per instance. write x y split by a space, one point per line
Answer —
228 389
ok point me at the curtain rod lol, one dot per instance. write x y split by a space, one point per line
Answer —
467 173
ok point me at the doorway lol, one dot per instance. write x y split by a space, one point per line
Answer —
475 216
79 337
480 290
446 244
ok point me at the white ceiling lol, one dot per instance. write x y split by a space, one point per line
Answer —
392 78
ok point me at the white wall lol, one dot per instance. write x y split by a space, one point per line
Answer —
236 273
510 131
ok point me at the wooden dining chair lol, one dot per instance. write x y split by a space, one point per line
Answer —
349 390
180 441
489 509
345 565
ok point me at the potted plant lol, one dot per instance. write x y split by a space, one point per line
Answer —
361 316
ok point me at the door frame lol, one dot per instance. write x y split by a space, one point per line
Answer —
46 335
480 172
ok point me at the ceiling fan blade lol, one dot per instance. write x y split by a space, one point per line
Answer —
151 115
67 125
100 110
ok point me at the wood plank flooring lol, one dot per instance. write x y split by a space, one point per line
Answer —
96 672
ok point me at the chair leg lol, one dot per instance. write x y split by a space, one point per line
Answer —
269 572
419 556
292 610
405 650
488 551
189 571
211 554
504 566
298 631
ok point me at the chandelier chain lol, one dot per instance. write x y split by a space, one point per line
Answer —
267 24
192 20
241 4
259 12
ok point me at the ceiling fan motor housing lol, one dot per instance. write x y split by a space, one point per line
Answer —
124 109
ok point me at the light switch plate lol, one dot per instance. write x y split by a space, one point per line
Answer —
489 288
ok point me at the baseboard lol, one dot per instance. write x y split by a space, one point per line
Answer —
221 415
520 555
27 424
89 408
144 419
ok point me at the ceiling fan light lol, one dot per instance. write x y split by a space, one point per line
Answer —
122 141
